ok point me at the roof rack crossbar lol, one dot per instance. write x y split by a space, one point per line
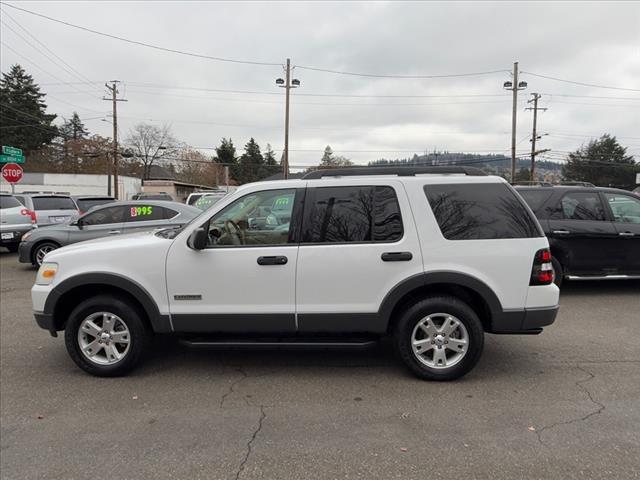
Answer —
399 171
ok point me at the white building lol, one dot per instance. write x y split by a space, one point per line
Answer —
73 184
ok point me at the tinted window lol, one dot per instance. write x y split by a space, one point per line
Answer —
580 206
535 198
352 214
104 216
146 213
85 204
480 211
625 208
53 203
193 198
251 220
7 201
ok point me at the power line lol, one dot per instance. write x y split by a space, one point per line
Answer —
374 75
143 44
582 83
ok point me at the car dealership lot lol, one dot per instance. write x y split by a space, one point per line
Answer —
565 404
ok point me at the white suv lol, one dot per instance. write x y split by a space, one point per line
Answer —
434 257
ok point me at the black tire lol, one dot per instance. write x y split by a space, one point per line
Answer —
12 247
558 272
404 329
140 335
38 248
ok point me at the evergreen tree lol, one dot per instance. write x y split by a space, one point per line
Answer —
24 123
251 164
603 162
73 129
523 175
226 155
327 157
271 166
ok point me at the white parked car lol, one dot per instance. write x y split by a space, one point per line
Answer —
434 257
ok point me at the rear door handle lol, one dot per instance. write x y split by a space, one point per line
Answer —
275 260
560 232
627 234
114 232
396 256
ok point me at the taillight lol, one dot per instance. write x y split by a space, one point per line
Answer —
542 271
30 213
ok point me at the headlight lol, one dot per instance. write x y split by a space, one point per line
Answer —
46 273
25 236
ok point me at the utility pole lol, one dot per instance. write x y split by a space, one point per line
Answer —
287 84
534 135
514 86
114 164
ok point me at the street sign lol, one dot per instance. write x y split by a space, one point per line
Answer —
12 151
12 172
11 159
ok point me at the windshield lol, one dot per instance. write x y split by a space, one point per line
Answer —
7 201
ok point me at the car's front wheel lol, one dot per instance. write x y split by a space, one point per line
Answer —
106 336
41 250
439 338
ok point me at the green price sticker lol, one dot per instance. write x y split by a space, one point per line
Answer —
141 211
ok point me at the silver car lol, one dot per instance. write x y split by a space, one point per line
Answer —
49 208
106 220
15 221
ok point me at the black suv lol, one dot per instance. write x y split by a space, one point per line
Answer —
594 232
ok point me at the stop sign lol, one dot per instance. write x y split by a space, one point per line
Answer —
12 172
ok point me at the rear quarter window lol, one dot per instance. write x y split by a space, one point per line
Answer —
53 203
7 201
535 198
480 211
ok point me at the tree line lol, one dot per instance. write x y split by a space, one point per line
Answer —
72 148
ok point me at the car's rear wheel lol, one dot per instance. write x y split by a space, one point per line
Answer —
41 250
558 271
439 338
106 336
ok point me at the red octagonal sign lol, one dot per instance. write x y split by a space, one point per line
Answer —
12 172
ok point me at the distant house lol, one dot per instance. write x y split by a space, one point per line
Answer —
164 180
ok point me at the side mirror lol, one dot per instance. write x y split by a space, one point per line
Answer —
78 223
198 239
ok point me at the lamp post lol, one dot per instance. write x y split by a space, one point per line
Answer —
287 84
514 86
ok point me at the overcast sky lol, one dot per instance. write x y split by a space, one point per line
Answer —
593 43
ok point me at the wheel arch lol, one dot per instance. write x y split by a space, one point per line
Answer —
40 241
471 290
63 298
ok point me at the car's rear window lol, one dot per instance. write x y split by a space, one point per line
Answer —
480 211
85 204
535 198
53 203
7 201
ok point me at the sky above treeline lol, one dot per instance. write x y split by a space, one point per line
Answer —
377 80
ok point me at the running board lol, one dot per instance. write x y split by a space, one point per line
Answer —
285 344
604 277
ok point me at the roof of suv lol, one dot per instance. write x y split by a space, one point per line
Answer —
556 188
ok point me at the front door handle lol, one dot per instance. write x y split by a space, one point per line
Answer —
560 232
627 234
114 232
396 256
275 260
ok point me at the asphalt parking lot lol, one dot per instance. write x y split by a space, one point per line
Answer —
564 404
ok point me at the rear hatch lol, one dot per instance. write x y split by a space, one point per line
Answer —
51 209
14 220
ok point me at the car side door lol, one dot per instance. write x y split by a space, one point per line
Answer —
101 222
243 281
625 211
581 234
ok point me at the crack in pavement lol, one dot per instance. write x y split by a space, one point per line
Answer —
233 385
263 416
580 383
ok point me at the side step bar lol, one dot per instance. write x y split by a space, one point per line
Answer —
284 344
603 277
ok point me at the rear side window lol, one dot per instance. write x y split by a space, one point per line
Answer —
104 216
352 214
145 213
480 211
580 206
53 203
535 198
7 201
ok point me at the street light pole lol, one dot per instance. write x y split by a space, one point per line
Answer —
514 86
287 84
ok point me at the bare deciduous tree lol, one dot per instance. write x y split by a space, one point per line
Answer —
150 144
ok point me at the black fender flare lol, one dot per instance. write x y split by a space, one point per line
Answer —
439 277
159 323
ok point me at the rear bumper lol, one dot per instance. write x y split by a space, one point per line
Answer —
527 321
16 232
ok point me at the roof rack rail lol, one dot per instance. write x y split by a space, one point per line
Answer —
399 171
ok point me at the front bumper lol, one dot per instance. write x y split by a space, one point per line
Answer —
24 252
527 321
